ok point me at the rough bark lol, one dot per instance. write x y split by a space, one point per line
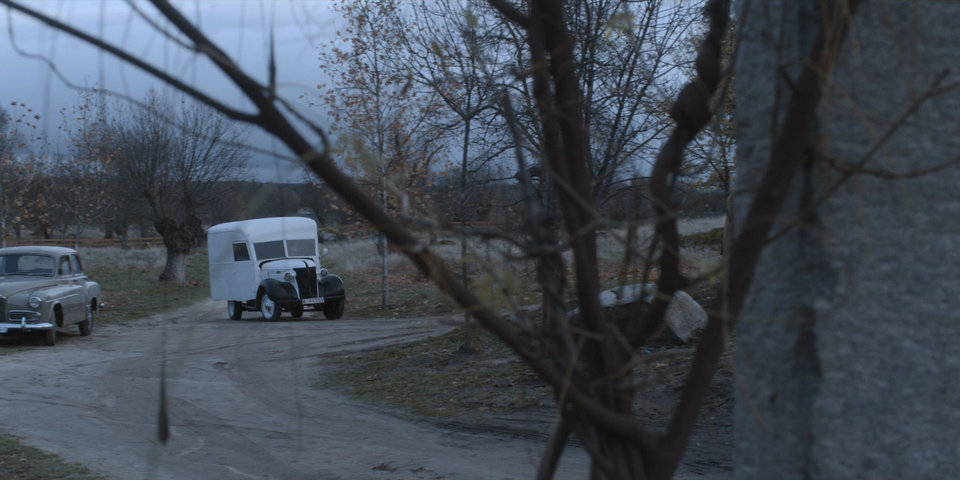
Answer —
180 238
842 346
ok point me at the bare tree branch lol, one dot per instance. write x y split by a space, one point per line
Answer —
131 59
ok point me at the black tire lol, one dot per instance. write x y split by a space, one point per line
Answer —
50 337
333 310
296 311
86 326
268 308
234 310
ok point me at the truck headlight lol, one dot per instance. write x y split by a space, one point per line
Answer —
34 302
323 273
289 277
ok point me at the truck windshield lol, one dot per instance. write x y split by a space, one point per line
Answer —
302 248
267 250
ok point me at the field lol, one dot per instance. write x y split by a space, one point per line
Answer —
434 378
438 379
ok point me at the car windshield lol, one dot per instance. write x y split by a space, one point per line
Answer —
27 264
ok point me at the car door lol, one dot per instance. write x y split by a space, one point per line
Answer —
71 283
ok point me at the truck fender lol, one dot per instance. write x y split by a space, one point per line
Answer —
280 292
331 288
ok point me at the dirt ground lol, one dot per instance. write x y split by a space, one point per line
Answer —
242 405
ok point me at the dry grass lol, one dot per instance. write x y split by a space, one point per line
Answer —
498 272
436 378
129 280
21 462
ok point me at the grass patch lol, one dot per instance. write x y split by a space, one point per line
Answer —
129 280
493 268
434 378
21 462
712 239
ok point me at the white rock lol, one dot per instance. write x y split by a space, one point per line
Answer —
685 316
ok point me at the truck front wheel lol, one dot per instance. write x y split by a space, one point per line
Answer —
268 308
333 310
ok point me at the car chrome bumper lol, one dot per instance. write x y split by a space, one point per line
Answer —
7 326
26 322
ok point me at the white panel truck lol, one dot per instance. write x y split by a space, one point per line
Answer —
272 265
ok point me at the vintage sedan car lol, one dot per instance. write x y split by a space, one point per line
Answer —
43 289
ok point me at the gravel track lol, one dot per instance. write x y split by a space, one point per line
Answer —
240 403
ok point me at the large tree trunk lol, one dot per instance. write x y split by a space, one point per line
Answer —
175 269
845 352
180 238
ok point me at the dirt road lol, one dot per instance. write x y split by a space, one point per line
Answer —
240 404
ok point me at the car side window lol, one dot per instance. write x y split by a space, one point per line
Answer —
240 252
75 264
64 266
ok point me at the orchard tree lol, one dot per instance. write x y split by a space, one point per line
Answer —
173 155
710 157
630 57
626 53
85 178
22 192
446 49
383 122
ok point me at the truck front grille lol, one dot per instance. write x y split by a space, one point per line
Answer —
307 281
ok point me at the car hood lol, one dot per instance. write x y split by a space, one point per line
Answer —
13 284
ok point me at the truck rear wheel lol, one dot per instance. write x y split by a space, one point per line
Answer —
234 310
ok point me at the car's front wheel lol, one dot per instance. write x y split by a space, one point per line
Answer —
296 311
50 337
86 326
268 308
234 310
333 310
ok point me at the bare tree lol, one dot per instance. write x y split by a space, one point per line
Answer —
84 177
21 170
382 120
710 157
173 161
447 53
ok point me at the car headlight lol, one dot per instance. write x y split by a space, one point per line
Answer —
323 273
289 277
34 301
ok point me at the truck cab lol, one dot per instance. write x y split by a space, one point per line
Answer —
271 265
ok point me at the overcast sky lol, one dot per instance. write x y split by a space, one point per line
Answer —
239 27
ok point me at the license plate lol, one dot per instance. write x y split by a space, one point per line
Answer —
310 301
